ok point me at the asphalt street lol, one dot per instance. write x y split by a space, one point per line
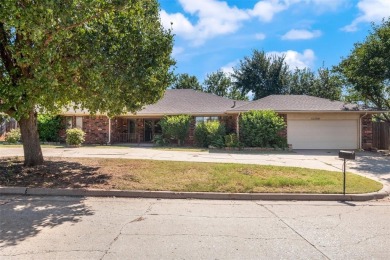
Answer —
119 228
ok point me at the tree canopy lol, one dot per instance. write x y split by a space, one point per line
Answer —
261 74
186 81
325 83
221 84
264 75
367 68
104 56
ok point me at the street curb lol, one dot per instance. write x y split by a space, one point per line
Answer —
384 192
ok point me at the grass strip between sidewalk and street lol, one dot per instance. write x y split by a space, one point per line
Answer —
128 174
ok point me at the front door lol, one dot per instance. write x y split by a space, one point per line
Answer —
149 124
152 127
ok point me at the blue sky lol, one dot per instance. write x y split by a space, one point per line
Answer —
217 34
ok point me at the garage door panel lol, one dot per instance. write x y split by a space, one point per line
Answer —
323 134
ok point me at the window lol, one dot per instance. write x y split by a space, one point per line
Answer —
203 119
69 122
79 122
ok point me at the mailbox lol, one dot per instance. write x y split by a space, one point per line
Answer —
350 155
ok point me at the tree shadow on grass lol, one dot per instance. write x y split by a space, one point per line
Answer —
52 174
25 217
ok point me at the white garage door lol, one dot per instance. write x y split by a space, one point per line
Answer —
323 134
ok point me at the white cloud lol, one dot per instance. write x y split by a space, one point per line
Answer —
324 5
301 34
371 11
177 50
214 18
297 60
260 36
228 68
265 10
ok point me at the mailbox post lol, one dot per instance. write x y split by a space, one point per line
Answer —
350 155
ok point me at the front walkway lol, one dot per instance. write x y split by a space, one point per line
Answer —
369 164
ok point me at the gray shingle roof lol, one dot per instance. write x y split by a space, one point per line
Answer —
187 101
295 103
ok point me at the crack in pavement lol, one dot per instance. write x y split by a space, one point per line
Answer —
296 232
127 223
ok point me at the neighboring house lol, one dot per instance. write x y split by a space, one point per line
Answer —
312 122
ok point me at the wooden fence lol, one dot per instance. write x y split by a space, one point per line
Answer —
381 135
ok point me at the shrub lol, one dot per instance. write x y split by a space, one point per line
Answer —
260 128
159 140
175 127
74 136
210 133
48 128
13 136
231 140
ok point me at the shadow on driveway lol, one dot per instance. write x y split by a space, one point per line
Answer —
373 163
22 219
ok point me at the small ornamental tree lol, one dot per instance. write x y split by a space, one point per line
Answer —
260 128
176 127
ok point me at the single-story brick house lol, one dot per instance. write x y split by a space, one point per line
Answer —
312 122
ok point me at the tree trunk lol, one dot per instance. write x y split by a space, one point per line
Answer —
30 138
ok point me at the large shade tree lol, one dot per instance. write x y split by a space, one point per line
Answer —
186 81
221 84
367 69
261 74
104 56
325 83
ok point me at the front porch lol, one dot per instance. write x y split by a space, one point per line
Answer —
135 130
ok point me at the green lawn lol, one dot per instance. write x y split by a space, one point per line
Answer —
126 174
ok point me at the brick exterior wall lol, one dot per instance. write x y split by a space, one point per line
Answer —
96 129
366 132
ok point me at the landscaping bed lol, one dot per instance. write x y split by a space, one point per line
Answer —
127 174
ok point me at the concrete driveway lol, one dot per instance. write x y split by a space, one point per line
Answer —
372 165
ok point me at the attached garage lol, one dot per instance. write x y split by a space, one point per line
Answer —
323 134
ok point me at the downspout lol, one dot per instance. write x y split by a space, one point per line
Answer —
361 131
109 130
238 126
